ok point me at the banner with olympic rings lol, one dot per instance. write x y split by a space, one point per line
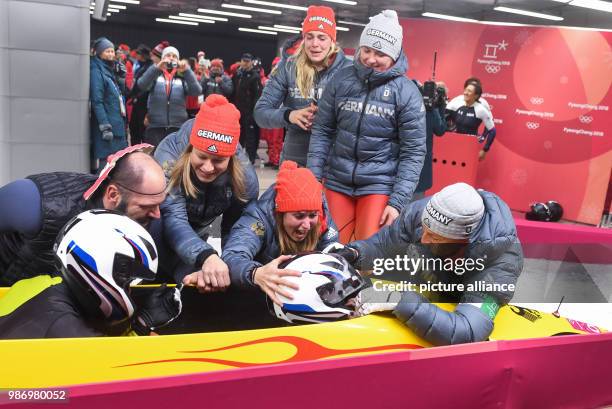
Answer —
549 92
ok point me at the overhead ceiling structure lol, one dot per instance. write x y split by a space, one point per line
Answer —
270 18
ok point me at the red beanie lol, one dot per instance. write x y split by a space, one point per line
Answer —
216 128
297 189
217 62
320 18
159 48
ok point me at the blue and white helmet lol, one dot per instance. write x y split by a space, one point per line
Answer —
327 282
101 253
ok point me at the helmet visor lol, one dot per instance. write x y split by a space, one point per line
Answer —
338 291
127 271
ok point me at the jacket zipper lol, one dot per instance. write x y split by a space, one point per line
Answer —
363 108
168 103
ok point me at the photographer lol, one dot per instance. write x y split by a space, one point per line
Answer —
217 82
434 99
168 82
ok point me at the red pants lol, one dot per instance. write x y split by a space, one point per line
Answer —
357 218
274 137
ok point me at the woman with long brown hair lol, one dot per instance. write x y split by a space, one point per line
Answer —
209 176
290 95
289 218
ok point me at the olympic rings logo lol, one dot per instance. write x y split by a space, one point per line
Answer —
536 100
532 125
492 69
585 119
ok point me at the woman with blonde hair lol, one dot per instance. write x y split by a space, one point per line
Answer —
209 176
368 142
290 96
289 218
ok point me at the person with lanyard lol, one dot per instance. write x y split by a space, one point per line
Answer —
290 96
209 177
289 218
462 238
466 114
368 140
168 82
70 304
34 209
108 112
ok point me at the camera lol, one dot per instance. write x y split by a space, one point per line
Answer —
171 65
434 96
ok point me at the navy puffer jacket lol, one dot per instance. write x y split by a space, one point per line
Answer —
370 133
185 218
493 243
253 241
282 94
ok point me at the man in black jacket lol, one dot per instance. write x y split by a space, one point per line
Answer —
139 97
33 210
247 90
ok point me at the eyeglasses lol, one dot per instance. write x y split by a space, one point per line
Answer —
111 161
111 180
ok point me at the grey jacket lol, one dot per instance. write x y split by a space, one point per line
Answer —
253 241
186 219
281 94
210 86
369 133
494 242
168 109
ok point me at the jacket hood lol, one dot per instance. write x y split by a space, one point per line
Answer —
397 70
496 231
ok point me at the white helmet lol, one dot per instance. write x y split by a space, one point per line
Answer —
327 282
101 253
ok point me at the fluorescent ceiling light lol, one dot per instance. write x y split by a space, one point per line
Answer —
224 13
272 4
528 13
113 11
127 1
447 17
347 2
351 23
254 30
165 20
278 29
288 27
117 6
342 28
593 4
503 23
236 6
201 17
197 20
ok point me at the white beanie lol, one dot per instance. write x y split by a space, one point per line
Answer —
170 49
383 33
454 212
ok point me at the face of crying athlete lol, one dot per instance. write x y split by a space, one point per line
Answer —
298 224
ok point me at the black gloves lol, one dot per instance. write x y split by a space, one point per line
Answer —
350 254
160 309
